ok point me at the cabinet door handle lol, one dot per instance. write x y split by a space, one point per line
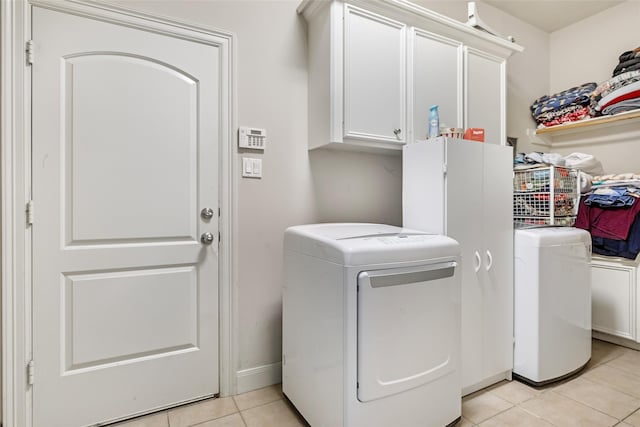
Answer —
478 262
396 132
489 260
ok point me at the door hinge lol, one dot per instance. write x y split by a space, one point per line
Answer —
219 237
30 373
29 51
30 212
444 169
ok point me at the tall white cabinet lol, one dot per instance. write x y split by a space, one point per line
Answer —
464 190
376 66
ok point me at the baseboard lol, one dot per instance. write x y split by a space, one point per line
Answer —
258 377
615 340
506 375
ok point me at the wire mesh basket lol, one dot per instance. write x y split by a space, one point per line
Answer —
545 196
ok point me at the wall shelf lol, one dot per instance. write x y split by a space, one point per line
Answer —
590 131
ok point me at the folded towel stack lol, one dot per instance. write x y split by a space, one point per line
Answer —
566 106
622 92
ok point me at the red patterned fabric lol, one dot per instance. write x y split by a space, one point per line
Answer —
573 116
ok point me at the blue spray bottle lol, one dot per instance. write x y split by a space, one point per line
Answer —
434 122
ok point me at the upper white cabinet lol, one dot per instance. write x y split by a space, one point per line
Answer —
374 57
376 66
436 75
485 94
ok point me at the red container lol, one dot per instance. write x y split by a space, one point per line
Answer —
474 134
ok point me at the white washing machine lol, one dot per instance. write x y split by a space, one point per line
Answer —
552 303
371 326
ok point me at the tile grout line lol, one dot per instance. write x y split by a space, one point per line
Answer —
257 406
595 380
614 389
624 370
615 357
496 414
244 422
517 405
619 420
217 418
233 398
591 407
536 415
261 405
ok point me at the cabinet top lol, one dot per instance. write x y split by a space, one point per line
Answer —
418 16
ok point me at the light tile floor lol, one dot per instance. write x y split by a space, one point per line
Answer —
266 407
606 393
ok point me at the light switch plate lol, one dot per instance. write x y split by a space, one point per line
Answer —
251 168
257 168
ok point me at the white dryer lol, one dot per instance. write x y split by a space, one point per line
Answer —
371 326
552 303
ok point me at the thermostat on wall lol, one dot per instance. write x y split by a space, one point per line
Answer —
253 138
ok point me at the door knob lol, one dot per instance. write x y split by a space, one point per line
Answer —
207 238
206 213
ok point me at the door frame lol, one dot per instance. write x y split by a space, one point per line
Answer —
15 189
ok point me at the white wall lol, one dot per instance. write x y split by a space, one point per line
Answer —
527 72
588 51
298 187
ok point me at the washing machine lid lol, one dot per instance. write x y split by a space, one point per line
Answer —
355 244
551 236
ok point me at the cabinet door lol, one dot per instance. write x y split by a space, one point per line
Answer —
485 97
435 78
374 77
464 224
613 300
497 254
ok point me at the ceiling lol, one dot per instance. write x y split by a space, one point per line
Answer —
552 15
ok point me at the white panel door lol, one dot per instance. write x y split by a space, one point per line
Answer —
125 152
374 77
485 95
